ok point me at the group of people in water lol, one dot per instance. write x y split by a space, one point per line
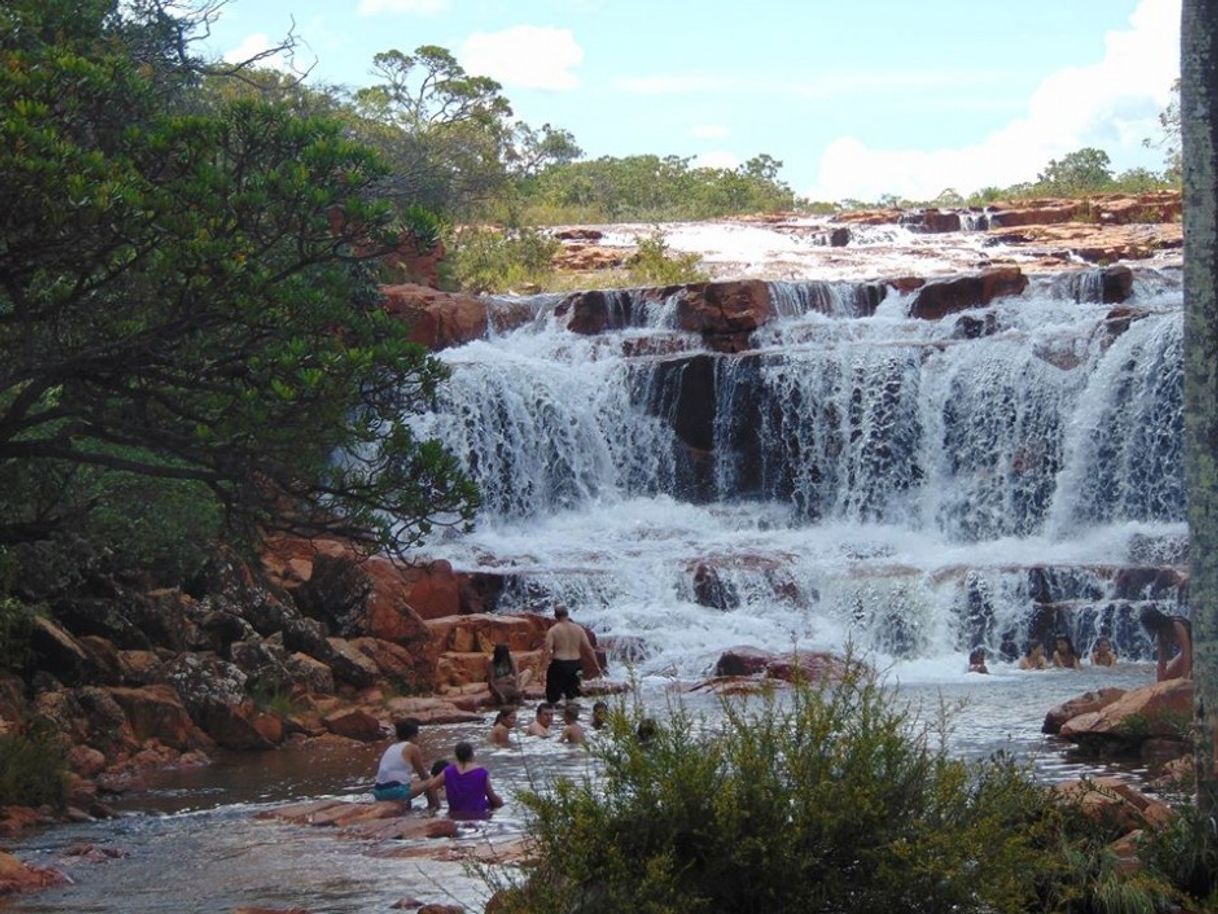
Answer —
1173 646
402 774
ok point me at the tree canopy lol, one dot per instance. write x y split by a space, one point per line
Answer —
188 297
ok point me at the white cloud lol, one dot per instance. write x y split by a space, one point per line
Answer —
719 158
422 7
1111 104
253 45
525 57
708 131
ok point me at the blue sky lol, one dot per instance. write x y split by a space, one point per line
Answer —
857 98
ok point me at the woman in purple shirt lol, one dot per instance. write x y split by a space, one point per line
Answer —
468 786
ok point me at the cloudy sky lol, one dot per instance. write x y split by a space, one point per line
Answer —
857 98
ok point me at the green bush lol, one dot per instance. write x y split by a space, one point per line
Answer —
16 626
825 799
489 260
33 770
653 264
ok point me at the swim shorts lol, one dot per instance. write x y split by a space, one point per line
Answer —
562 680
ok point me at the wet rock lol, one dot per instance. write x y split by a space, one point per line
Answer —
937 299
711 590
809 666
626 648
596 311
1086 703
725 313
16 876
972 328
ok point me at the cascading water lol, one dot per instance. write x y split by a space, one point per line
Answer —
917 487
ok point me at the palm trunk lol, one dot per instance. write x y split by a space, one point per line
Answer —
1199 117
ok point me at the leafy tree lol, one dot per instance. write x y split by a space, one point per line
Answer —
1169 141
445 134
1086 169
1199 99
187 297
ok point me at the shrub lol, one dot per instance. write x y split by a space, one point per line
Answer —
489 260
16 626
33 770
826 800
653 265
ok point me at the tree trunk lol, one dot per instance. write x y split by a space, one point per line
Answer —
1199 117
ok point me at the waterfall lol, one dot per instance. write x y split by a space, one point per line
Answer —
917 487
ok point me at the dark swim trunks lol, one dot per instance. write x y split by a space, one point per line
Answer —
562 680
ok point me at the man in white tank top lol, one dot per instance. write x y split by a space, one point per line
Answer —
398 762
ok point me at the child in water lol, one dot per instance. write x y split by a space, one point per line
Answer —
1103 654
572 733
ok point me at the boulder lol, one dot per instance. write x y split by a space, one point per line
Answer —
16 876
355 724
156 712
1087 703
724 313
1113 803
936 300
810 666
480 632
436 319
1163 709
311 673
58 652
213 691
350 665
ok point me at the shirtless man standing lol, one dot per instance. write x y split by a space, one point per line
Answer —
566 642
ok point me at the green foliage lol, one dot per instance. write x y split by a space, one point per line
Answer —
1081 171
831 800
1181 856
654 265
424 227
490 260
652 188
187 297
16 626
1170 139
33 770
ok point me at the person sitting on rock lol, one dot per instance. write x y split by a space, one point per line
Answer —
398 762
600 715
502 677
1103 654
505 723
646 732
468 786
572 733
1033 657
540 725
976 661
1064 654
1170 632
